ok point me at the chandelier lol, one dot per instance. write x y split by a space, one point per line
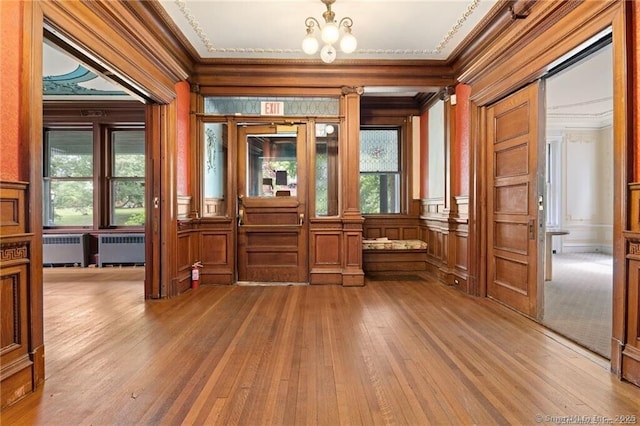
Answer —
330 34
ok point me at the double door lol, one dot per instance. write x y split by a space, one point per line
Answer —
272 204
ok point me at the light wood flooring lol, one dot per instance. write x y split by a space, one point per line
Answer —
405 352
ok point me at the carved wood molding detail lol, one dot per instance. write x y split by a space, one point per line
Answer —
10 252
348 90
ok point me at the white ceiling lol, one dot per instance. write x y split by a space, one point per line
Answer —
582 95
409 29
274 29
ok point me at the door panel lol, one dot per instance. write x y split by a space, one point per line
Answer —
272 231
513 230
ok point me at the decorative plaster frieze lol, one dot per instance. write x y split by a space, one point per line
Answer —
209 46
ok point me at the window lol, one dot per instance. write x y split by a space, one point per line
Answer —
127 177
272 166
380 179
214 163
326 173
68 178
76 190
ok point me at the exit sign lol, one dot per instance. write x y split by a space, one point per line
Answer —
271 108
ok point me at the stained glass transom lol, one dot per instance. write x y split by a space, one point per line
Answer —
293 106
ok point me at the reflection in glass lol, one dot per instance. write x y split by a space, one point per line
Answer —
272 165
215 160
326 169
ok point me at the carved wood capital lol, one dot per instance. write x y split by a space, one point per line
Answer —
348 90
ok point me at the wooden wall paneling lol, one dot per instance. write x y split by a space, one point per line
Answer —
12 208
217 253
21 353
631 351
394 227
352 220
494 70
326 252
16 364
185 256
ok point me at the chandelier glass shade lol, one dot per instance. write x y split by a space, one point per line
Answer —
329 34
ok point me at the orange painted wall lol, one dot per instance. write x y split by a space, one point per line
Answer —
11 36
182 128
462 135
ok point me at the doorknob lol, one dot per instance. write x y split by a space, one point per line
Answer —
301 219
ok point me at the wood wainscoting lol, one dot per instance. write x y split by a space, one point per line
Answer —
625 344
21 354
393 227
447 235
209 241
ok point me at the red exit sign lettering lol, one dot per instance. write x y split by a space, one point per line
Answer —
271 108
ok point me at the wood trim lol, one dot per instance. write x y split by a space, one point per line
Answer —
57 112
31 136
21 367
110 31
561 26
153 173
311 74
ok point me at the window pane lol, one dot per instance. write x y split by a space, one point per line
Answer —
326 170
70 203
272 166
127 201
128 153
215 170
379 150
70 153
380 193
380 171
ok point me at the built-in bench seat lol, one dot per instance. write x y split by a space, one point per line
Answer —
383 254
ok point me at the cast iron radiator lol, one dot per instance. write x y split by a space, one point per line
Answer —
64 249
120 249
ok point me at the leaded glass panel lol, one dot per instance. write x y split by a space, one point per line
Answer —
293 106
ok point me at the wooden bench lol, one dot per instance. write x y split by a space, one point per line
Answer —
383 254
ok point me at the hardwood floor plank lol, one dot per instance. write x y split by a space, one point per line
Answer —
408 352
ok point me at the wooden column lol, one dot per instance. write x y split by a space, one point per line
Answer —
352 219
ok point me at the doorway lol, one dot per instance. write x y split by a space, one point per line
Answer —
94 172
550 198
272 204
579 198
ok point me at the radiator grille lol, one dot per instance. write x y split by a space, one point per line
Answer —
63 249
129 239
120 249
